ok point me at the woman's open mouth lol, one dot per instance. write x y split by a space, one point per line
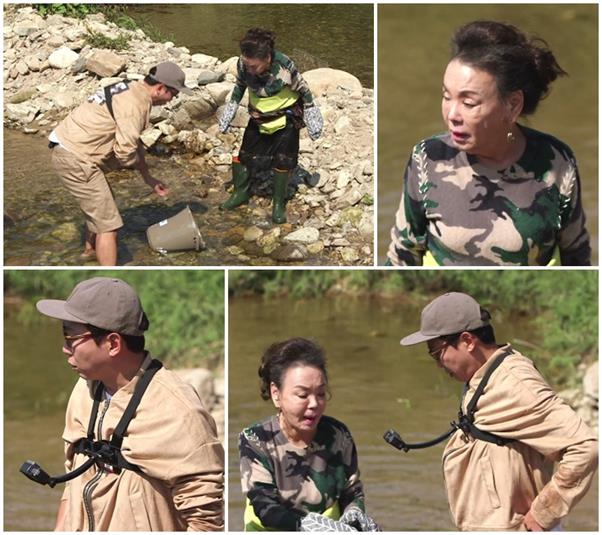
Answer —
459 137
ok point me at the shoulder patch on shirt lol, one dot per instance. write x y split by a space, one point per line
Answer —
114 89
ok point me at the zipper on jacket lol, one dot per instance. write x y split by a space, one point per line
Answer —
91 485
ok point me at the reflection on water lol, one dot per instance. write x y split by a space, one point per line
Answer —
376 384
411 64
339 36
37 384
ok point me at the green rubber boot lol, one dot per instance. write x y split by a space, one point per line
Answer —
240 195
279 202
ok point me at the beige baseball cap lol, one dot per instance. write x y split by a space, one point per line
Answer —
106 303
450 313
169 74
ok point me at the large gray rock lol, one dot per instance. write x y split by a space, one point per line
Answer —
23 95
62 58
228 66
219 91
330 82
192 75
198 108
181 120
209 77
55 41
22 113
65 99
150 136
203 60
105 63
303 235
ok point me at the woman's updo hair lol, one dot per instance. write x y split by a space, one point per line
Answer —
513 59
279 357
258 43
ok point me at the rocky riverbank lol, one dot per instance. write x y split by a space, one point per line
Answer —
49 68
585 399
210 389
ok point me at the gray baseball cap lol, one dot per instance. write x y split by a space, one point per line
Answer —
106 303
450 313
169 74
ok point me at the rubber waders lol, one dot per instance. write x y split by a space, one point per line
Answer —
240 195
279 202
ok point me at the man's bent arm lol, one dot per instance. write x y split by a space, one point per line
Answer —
199 497
571 480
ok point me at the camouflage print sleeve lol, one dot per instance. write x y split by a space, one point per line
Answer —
353 494
298 83
258 484
409 233
573 239
241 85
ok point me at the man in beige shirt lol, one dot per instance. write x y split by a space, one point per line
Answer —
499 463
103 134
155 463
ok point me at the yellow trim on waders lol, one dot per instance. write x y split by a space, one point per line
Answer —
428 260
252 522
280 101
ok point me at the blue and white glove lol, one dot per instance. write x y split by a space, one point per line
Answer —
228 114
321 523
313 121
356 518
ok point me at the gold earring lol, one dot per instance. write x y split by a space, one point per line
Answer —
510 138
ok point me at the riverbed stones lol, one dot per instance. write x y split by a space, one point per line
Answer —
253 234
290 253
303 235
150 136
66 232
62 58
64 99
22 113
23 95
105 63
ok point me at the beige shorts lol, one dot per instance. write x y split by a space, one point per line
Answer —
87 183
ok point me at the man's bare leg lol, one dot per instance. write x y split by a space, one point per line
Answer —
90 245
106 248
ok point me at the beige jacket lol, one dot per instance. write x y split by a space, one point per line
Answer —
90 132
492 487
173 441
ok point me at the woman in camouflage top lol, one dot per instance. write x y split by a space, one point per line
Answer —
299 466
280 104
490 191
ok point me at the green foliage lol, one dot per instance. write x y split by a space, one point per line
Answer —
78 11
367 199
561 305
118 14
185 307
99 40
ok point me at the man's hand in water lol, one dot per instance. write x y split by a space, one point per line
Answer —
158 187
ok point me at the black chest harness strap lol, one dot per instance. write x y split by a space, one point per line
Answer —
114 89
465 421
101 452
